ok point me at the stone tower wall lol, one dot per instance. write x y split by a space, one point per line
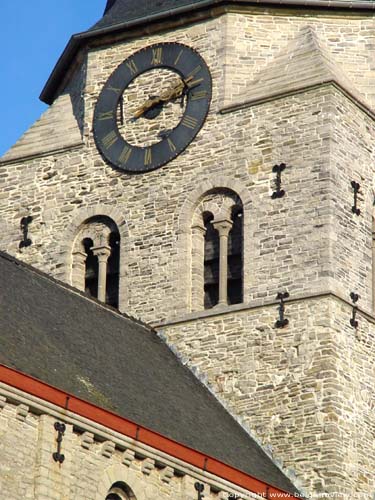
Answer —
306 390
291 385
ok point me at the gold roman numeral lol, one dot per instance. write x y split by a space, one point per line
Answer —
110 139
106 115
157 56
195 71
148 157
200 94
189 122
114 89
179 56
132 66
194 83
125 155
171 145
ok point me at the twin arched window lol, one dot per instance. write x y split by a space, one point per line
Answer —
217 254
217 250
96 259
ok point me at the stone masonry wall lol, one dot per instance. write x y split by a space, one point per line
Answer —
154 209
351 241
236 150
306 390
254 39
93 462
289 385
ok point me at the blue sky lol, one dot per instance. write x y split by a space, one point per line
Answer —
32 37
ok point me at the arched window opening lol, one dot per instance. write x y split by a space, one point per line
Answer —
235 257
91 268
96 260
120 491
217 250
211 262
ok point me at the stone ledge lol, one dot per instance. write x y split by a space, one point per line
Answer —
256 304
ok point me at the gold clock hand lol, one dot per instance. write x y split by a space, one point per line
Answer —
169 95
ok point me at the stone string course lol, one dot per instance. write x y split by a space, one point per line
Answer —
307 390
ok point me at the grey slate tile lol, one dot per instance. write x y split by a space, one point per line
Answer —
56 334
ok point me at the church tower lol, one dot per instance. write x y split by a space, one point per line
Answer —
207 166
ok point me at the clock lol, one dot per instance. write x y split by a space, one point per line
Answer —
152 106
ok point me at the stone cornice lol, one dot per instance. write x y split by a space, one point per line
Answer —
33 405
70 407
249 103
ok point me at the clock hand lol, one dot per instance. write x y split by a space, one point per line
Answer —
180 89
167 96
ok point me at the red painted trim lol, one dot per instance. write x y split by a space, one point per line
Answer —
121 425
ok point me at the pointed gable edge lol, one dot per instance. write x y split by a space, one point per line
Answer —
305 64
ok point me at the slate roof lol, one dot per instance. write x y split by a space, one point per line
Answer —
120 11
58 335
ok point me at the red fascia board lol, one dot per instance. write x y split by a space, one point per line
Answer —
59 398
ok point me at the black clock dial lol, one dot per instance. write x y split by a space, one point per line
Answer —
152 107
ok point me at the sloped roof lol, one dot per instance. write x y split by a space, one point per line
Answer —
120 11
58 335
305 63
120 15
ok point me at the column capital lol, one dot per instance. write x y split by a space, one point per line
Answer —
223 226
102 252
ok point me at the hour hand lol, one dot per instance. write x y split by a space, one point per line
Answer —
153 106
152 102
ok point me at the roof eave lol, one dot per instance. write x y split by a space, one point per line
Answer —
48 93
68 402
50 89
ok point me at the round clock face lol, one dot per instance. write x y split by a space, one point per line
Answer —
152 107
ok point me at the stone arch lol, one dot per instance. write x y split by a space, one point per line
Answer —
120 474
79 218
196 196
187 226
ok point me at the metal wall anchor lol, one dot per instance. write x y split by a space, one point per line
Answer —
356 187
25 222
282 321
199 488
277 169
58 456
353 321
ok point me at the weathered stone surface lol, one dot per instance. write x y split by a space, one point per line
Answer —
307 390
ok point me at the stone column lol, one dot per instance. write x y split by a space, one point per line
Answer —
103 254
198 233
79 269
223 227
